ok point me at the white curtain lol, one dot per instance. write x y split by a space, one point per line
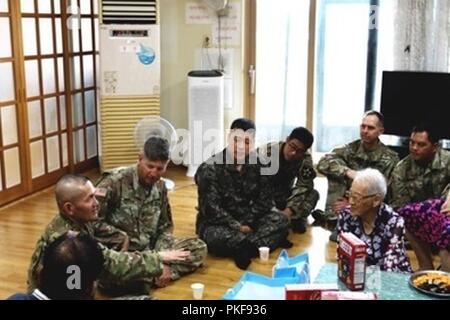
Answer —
422 35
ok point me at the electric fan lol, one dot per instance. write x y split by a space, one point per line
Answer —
155 126
219 6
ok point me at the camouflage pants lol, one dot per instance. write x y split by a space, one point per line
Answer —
198 251
336 190
307 206
269 231
304 205
144 286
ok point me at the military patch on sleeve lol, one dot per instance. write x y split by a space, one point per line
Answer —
100 192
308 173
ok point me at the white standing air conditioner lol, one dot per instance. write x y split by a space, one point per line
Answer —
205 117
130 60
130 68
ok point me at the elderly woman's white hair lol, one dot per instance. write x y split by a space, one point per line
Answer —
374 180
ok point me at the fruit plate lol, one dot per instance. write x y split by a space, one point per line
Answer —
431 282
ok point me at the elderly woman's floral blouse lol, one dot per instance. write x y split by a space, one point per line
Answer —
385 245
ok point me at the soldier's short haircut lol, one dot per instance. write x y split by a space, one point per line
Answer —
156 149
243 124
60 257
303 135
375 181
377 114
67 187
433 135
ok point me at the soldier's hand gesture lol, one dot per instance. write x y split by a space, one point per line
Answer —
174 255
164 278
245 229
126 244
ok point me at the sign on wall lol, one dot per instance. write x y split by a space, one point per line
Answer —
230 25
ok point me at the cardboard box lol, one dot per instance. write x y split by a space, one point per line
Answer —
308 291
352 253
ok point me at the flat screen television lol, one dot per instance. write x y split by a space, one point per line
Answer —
408 98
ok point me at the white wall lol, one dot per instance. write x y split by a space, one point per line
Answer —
179 43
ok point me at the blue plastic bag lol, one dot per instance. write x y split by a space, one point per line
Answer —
253 286
296 267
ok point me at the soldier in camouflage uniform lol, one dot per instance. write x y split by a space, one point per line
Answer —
341 164
135 202
422 176
293 183
78 207
235 203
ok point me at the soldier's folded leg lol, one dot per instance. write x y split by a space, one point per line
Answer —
244 253
331 223
198 250
283 241
318 215
286 244
242 260
298 225
336 190
334 236
130 288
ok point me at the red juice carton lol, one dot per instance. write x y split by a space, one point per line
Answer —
352 253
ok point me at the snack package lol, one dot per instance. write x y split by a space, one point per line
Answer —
348 295
311 291
352 253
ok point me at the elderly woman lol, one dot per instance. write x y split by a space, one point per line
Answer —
428 224
374 222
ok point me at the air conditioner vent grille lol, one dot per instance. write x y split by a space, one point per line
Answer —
129 12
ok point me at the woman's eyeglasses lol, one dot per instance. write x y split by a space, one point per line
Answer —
358 197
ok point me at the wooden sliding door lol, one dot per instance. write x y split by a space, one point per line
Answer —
48 88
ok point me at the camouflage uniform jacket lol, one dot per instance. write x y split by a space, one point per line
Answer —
119 267
228 197
143 213
411 182
353 156
302 173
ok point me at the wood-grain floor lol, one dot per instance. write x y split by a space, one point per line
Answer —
21 224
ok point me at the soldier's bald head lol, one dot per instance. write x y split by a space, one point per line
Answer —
69 188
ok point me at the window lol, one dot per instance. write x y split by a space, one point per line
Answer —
354 46
281 60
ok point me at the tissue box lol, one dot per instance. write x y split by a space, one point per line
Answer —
308 291
352 253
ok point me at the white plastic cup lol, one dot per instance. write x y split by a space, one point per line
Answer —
264 254
197 290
